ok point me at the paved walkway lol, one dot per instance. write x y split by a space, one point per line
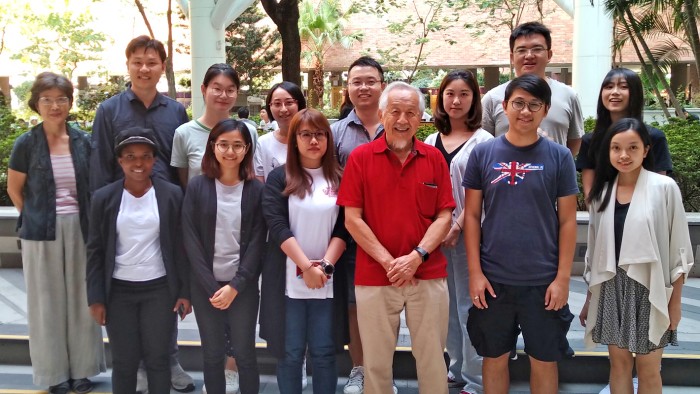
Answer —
17 379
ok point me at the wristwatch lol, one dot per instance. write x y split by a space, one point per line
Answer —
422 252
327 267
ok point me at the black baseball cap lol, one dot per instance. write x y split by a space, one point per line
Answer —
135 135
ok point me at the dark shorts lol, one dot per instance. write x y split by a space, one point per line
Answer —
349 260
494 331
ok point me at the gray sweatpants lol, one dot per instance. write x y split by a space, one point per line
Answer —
64 341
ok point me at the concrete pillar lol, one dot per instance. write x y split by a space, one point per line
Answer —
336 89
207 47
592 52
5 89
679 79
491 75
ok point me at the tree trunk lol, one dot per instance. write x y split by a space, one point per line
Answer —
169 71
285 14
646 69
654 63
318 84
145 18
692 32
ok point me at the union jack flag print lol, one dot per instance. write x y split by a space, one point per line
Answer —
512 172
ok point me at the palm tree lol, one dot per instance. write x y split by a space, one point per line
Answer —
321 27
621 11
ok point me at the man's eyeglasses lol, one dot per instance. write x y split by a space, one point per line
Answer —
47 102
370 84
520 105
306 136
536 51
223 147
285 103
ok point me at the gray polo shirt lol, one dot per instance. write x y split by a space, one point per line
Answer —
348 134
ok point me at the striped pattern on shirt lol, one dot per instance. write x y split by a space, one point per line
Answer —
66 190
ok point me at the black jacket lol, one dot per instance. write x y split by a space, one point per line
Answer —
199 226
102 240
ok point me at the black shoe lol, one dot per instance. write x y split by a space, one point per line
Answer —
61 388
82 386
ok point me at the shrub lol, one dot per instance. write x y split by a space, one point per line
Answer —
424 130
683 142
9 131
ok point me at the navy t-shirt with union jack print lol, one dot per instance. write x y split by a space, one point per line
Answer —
520 187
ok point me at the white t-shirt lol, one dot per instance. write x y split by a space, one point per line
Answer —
269 154
227 238
563 122
189 143
138 255
312 220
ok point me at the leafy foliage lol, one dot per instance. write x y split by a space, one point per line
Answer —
9 131
424 130
60 41
253 49
683 140
427 22
89 99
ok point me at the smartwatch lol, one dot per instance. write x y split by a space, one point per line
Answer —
422 252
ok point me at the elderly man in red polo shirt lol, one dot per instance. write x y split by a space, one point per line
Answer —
398 201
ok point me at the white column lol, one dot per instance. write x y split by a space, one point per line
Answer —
206 46
593 34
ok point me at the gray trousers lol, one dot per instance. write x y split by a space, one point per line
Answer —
64 341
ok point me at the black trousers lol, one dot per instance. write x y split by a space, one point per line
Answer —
241 316
139 324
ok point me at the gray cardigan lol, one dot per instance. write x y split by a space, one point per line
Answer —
199 224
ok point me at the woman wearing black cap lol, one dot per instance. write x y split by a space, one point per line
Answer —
137 272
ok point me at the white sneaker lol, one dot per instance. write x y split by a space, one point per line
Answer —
396 389
304 378
231 381
204 389
141 381
356 381
180 380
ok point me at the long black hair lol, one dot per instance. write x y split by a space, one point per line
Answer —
605 173
634 108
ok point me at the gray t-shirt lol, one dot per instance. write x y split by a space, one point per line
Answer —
188 147
227 242
520 228
563 122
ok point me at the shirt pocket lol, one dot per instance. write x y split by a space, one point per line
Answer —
427 196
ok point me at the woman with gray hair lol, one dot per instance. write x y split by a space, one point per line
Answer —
47 181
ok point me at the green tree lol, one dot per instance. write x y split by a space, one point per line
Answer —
285 14
252 49
321 27
60 41
634 26
426 23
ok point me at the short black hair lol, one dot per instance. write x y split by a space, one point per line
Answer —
290 87
532 84
366 61
528 29
146 43
243 113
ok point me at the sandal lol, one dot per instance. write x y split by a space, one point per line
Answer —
83 386
61 388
